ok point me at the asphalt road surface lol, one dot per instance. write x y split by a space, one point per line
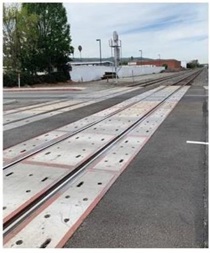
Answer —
160 200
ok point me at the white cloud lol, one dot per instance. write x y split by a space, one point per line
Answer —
176 30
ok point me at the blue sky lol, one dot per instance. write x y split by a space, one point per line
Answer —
173 30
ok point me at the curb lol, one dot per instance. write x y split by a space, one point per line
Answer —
44 89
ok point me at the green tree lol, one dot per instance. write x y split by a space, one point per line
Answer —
193 64
19 38
11 46
28 37
124 62
53 46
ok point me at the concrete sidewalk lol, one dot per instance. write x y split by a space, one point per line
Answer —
44 89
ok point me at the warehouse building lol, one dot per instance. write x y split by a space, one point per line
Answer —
171 63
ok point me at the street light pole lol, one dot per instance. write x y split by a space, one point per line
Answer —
141 56
159 58
99 48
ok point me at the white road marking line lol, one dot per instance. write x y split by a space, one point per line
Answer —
206 87
197 142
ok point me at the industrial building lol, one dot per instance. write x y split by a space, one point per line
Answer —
171 63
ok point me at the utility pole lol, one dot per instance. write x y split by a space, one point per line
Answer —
159 58
141 56
99 40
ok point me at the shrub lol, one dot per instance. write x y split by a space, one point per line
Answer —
165 65
10 79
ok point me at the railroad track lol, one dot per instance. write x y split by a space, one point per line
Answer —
22 153
99 151
23 116
167 78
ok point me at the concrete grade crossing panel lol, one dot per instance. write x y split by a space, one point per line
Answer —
107 94
78 148
72 151
30 107
24 147
117 158
54 224
18 151
38 110
70 206
24 182
43 116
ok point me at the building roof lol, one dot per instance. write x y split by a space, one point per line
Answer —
91 63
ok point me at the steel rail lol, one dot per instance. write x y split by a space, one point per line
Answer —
191 77
66 136
41 113
26 211
144 84
184 78
57 109
34 106
149 82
